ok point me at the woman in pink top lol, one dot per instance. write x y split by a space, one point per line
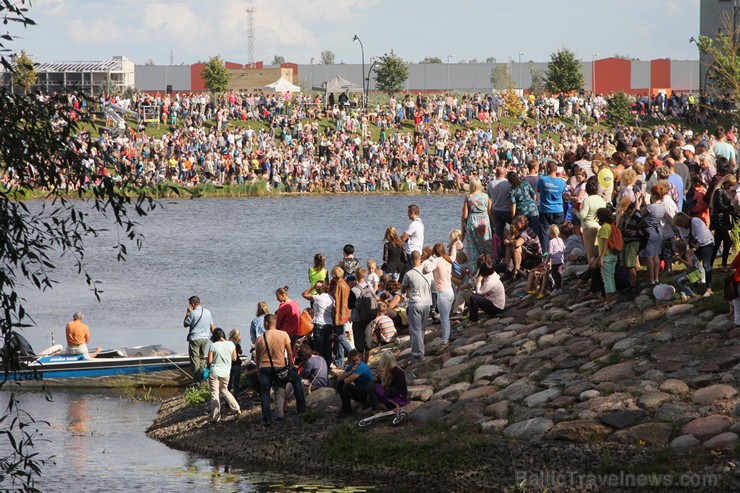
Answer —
440 265
288 314
488 294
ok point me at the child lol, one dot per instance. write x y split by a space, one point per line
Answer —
694 270
373 275
610 245
236 366
384 330
349 264
537 279
557 258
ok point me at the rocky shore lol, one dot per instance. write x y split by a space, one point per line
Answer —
554 395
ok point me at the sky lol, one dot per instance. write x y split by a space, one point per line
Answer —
143 30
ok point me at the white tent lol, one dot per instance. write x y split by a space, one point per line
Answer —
338 84
281 85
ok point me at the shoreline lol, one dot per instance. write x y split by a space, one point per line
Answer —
564 393
164 191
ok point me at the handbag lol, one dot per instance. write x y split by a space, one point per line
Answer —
306 322
283 374
530 258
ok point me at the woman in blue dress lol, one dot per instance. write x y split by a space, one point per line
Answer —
476 223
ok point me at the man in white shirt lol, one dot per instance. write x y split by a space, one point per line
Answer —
413 237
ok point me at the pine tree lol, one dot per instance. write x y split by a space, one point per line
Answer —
563 72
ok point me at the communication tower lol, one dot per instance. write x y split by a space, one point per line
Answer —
250 35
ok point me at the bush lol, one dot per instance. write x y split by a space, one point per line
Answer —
619 108
197 396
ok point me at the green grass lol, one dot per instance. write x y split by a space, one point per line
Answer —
428 449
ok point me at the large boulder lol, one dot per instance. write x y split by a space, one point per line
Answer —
579 431
431 411
707 427
707 395
613 373
488 372
531 429
650 434
322 398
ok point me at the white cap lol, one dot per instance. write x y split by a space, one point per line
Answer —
689 147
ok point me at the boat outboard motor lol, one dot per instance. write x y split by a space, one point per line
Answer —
20 344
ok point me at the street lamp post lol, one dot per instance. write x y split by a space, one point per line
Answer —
593 74
369 72
521 85
448 71
362 48
312 59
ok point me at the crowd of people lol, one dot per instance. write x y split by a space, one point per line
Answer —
292 150
584 224
580 213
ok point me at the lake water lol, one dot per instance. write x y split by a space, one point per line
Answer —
230 252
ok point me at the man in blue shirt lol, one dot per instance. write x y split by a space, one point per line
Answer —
354 383
550 190
200 324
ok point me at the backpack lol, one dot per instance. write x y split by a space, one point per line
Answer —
615 243
366 304
349 266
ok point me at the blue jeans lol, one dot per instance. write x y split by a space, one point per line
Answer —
266 383
547 219
704 254
444 306
418 315
341 346
322 341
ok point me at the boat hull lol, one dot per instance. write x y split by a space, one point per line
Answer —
77 372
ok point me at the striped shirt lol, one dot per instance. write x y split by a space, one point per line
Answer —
385 328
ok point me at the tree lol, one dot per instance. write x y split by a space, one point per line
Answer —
723 74
278 60
538 81
512 103
40 149
431 59
563 72
215 75
620 110
327 57
473 60
501 76
391 73
491 59
24 74
150 62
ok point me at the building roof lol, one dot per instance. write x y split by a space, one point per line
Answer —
111 64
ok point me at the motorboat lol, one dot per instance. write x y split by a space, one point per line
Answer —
137 366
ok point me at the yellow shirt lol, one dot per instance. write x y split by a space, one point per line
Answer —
605 231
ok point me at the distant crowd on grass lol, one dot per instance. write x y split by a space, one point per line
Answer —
422 142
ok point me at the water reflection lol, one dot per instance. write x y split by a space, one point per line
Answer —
98 443
77 426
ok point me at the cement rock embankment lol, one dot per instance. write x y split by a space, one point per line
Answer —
551 392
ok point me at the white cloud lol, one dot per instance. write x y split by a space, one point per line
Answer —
98 31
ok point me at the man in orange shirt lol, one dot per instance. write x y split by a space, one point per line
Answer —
78 335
